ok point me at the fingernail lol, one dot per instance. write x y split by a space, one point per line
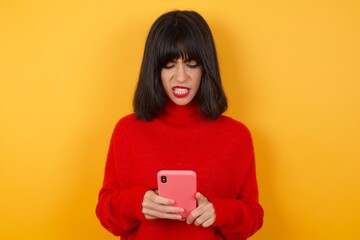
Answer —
181 210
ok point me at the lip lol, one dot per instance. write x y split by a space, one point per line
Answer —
180 91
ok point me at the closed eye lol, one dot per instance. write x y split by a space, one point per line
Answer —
192 64
189 63
169 65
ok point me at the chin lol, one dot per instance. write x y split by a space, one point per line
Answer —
181 103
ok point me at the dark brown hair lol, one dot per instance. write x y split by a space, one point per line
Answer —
179 34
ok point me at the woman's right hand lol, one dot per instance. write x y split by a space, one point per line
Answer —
154 207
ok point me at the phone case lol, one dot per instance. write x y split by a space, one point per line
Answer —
179 185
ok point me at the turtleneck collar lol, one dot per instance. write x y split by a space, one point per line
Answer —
184 116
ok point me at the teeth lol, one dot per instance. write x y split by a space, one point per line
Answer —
181 90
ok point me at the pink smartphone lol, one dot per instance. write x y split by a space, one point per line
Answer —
180 186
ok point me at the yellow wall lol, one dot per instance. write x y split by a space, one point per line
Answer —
291 70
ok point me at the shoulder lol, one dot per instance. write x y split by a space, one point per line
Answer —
127 122
230 123
233 129
125 127
236 134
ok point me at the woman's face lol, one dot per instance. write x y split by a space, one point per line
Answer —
181 80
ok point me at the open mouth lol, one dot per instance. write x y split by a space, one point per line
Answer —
181 92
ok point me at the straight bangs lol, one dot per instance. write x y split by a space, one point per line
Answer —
179 35
178 45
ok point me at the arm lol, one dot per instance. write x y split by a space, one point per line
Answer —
121 207
238 216
234 218
118 208
241 217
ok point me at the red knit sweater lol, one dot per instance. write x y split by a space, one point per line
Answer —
220 152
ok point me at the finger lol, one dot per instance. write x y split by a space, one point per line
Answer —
155 210
161 208
197 212
193 216
190 219
206 216
200 199
209 222
199 196
154 206
153 214
157 199
206 219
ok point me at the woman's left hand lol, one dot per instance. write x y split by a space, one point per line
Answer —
204 215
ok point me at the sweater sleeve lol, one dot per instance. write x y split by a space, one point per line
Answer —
242 217
239 218
119 208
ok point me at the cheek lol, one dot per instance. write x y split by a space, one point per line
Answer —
198 79
165 83
163 78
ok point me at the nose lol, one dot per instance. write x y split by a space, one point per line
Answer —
180 73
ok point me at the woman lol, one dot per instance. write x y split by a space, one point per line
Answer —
178 124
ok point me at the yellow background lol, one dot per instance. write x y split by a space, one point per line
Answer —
291 70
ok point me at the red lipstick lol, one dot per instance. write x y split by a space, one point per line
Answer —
180 92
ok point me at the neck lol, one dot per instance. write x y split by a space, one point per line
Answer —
186 115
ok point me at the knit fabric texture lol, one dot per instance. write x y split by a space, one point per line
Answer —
220 152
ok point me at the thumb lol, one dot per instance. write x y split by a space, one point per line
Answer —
200 198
